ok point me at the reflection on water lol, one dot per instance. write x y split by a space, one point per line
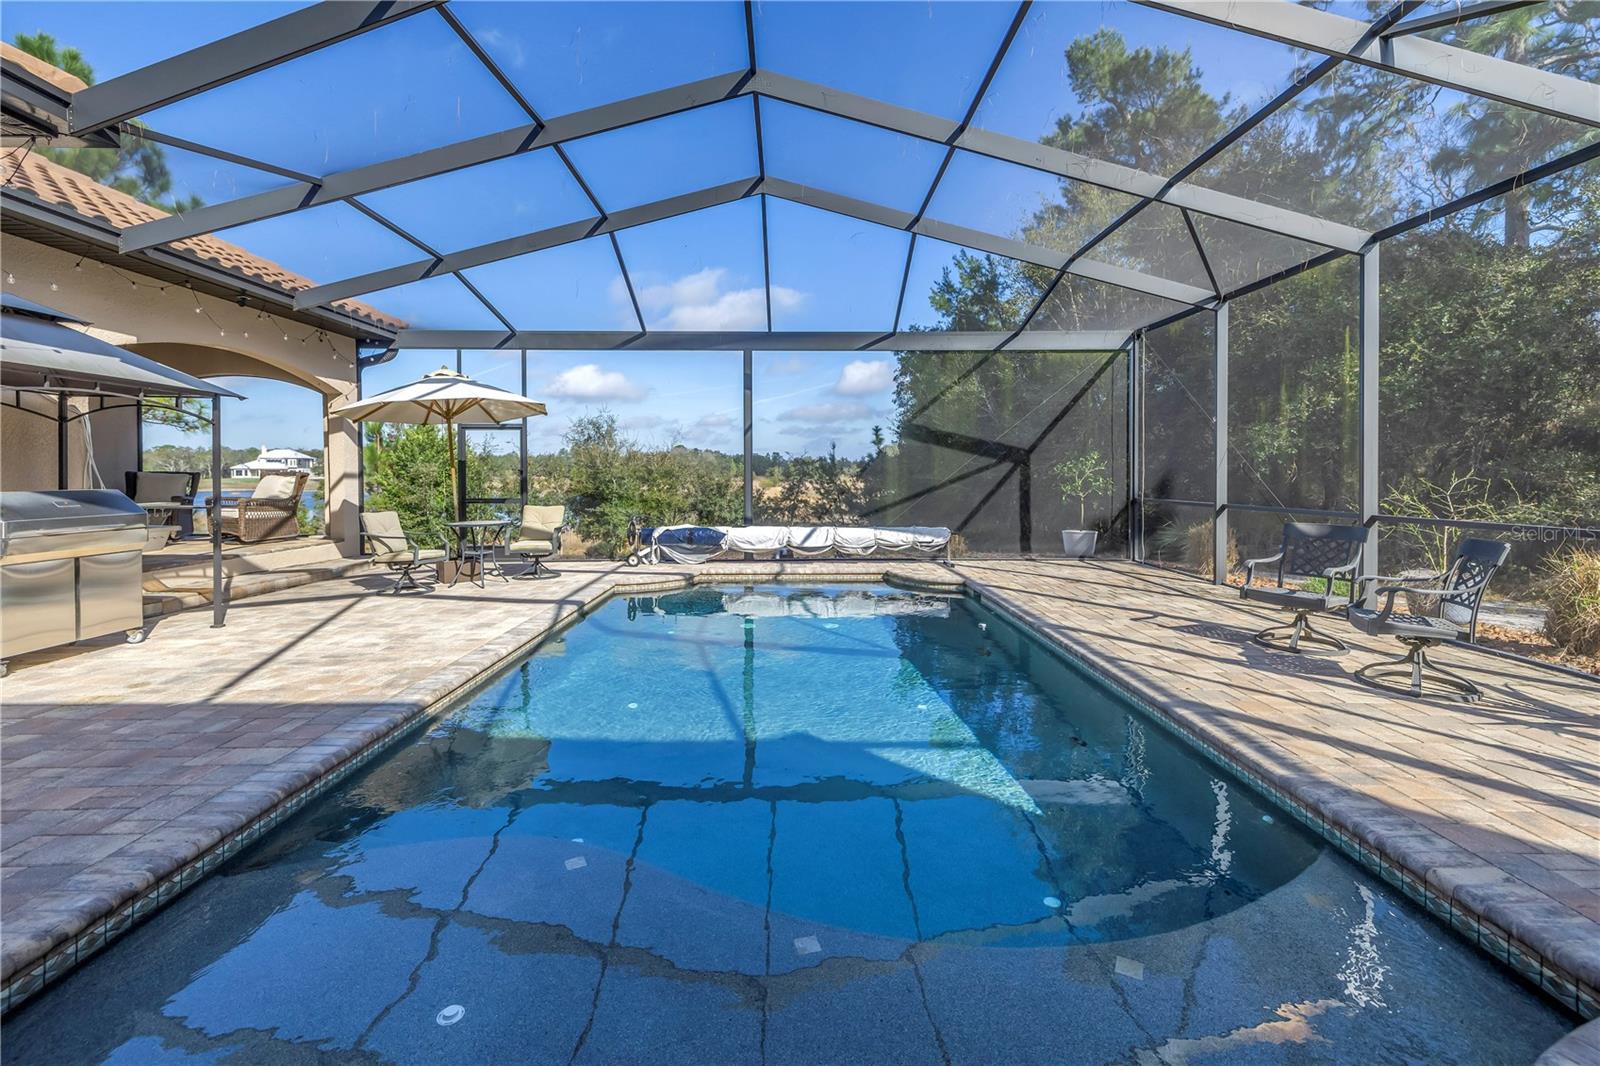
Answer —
787 825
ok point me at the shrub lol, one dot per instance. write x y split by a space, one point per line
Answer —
1572 599
1197 548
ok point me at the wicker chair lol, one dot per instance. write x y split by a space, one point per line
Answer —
1310 550
1459 592
268 513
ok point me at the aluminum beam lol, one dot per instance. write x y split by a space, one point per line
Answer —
663 341
691 95
1408 55
435 161
714 196
510 247
1367 385
749 438
1454 16
1219 459
234 57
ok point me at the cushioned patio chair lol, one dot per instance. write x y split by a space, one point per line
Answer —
539 538
165 486
387 544
1310 551
268 513
1458 593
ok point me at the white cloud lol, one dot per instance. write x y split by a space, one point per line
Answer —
864 377
701 301
714 421
827 414
793 364
588 382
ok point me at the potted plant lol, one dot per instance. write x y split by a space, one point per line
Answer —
1081 478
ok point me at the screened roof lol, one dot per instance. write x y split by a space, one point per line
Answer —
704 175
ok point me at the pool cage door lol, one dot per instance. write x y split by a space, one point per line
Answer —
492 470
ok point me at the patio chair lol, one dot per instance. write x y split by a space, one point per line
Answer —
268 513
154 487
1309 551
1458 593
539 538
387 544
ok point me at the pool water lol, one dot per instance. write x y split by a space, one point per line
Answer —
789 825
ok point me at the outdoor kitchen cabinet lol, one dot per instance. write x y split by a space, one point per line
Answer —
71 568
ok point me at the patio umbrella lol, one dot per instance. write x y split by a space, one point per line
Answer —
444 397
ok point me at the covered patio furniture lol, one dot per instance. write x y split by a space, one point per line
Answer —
151 488
268 513
539 538
1460 591
388 545
1310 552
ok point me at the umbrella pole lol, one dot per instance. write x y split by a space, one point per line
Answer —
455 486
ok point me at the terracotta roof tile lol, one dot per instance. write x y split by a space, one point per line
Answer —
69 83
55 184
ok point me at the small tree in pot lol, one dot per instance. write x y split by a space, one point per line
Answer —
1080 478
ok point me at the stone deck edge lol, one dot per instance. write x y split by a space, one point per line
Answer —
384 724
1431 871
1581 1047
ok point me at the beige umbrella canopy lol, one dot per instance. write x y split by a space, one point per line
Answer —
444 397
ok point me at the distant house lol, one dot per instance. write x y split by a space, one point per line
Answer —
274 461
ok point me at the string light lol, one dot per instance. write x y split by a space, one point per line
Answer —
321 335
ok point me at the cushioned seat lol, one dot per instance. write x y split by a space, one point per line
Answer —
422 555
269 512
539 537
388 545
156 487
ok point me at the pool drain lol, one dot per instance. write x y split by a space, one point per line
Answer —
451 1014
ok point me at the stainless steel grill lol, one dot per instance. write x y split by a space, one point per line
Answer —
71 568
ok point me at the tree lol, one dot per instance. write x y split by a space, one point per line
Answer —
410 475
1492 140
137 167
1491 316
1081 477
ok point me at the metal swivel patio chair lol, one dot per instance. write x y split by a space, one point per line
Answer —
1310 551
388 544
1459 591
539 538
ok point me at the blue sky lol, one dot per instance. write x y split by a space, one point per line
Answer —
415 85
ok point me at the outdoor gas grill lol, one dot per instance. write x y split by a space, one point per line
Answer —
70 568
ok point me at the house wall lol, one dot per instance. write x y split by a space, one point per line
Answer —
224 340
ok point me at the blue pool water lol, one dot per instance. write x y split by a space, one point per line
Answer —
786 825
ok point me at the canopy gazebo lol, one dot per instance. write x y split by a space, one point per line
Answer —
77 374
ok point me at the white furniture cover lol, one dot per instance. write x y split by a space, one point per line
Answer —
802 540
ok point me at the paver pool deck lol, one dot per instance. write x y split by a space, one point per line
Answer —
121 766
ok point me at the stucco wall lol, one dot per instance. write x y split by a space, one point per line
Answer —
224 339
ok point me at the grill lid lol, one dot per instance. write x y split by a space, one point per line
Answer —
42 513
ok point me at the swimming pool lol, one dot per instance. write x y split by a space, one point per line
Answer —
788 825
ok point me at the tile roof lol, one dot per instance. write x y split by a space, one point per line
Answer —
67 83
55 184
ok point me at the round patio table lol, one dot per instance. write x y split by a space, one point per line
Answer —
476 541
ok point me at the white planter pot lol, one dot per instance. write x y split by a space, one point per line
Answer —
1078 543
